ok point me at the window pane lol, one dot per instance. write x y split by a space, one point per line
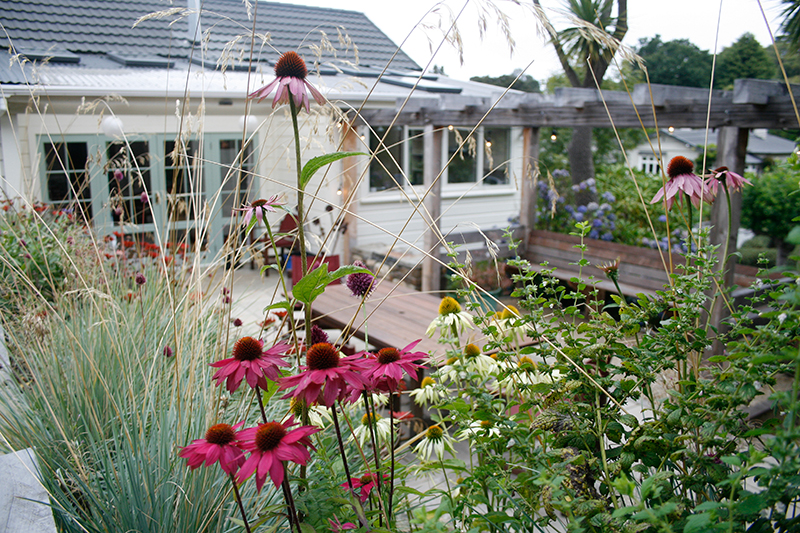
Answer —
416 157
66 176
183 171
128 174
463 167
384 173
496 155
229 159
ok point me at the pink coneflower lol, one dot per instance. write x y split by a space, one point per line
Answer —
366 483
290 78
337 526
732 180
250 361
385 370
327 372
269 445
259 208
218 445
360 283
682 179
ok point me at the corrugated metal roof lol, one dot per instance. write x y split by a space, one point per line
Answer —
107 26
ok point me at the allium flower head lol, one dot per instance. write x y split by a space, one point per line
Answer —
290 79
219 444
361 283
258 208
251 362
385 369
144 198
167 351
318 335
732 180
269 445
326 372
682 179
237 322
118 175
140 279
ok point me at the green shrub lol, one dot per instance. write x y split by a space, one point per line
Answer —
769 206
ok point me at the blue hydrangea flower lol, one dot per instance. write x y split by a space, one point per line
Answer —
581 208
607 236
608 197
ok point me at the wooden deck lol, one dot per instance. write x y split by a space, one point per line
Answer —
396 316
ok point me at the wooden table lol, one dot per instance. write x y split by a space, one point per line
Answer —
396 316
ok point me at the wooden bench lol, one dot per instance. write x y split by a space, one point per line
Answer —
641 270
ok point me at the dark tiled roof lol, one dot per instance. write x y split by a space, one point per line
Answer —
106 26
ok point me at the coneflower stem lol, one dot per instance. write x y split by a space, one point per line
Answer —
301 237
241 505
341 448
287 495
372 419
261 405
391 451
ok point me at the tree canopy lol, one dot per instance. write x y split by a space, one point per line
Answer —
525 82
745 58
678 62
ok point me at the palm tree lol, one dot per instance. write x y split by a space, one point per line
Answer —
591 45
791 21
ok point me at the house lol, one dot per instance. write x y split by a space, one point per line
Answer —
104 100
762 148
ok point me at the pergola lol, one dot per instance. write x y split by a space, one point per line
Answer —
751 104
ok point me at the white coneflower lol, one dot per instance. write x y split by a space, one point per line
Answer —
428 392
436 441
479 428
477 362
508 325
382 429
450 318
524 374
318 415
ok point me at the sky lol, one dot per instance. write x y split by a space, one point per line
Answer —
695 20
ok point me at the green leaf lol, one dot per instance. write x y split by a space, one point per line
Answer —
279 305
316 163
346 271
306 528
312 284
697 522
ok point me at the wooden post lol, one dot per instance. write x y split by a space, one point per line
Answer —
731 152
349 195
530 169
432 166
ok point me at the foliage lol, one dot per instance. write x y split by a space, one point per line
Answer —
525 83
791 21
769 206
676 62
105 409
745 58
560 443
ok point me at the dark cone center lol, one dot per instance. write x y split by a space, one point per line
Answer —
388 355
247 349
679 165
269 435
322 356
292 65
220 434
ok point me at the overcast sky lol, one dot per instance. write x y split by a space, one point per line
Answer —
695 20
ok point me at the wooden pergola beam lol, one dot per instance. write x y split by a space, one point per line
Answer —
752 104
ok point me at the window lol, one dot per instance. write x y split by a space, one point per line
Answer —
403 148
184 180
462 155
497 152
229 153
649 164
384 172
128 171
67 176
466 158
